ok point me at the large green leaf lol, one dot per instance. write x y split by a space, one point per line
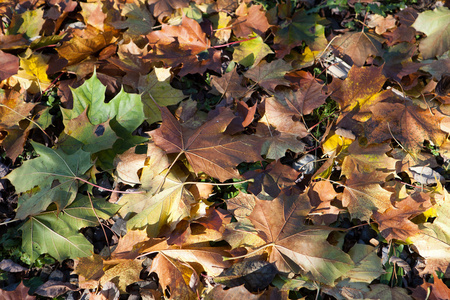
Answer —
58 233
96 125
49 178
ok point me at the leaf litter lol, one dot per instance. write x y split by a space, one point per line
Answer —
152 149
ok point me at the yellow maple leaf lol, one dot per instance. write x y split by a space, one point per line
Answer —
32 74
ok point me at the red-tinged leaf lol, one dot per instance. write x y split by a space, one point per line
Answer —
20 293
432 291
10 65
184 44
395 222
408 123
207 149
250 20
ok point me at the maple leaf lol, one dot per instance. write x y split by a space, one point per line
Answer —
230 85
280 130
269 75
93 14
250 20
164 8
433 242
84 43
436 25
155 87
28 23
354 91
52 177
167 207
363 194
185 44
383 291
280 223
321 194
395 222
207 149
32 73
96 125
21 292
406 122
139 20
359 46
13 109
10 65
433 291
368 159
302 27
178 277
58 233
270 181
251 52
308 97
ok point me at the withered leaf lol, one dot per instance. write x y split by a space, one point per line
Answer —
207 148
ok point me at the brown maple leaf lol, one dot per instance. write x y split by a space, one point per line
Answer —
401 119
363 194
230 85
207 149
272 180
309 95
294 246
359 46
395 222
185 44
164 8
250 20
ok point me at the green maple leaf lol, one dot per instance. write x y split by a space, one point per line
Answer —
50 178
105 122
58 233
301 28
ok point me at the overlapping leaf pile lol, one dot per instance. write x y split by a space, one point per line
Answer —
183 100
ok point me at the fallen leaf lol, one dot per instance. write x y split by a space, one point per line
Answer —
436 25
207 149
359 46
10 65
432 291
250 53
250 19
394 223
363 194
127 166
155 87
162 9
280 223
185 44
20 293
178 280
301 27
230 85
269 75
